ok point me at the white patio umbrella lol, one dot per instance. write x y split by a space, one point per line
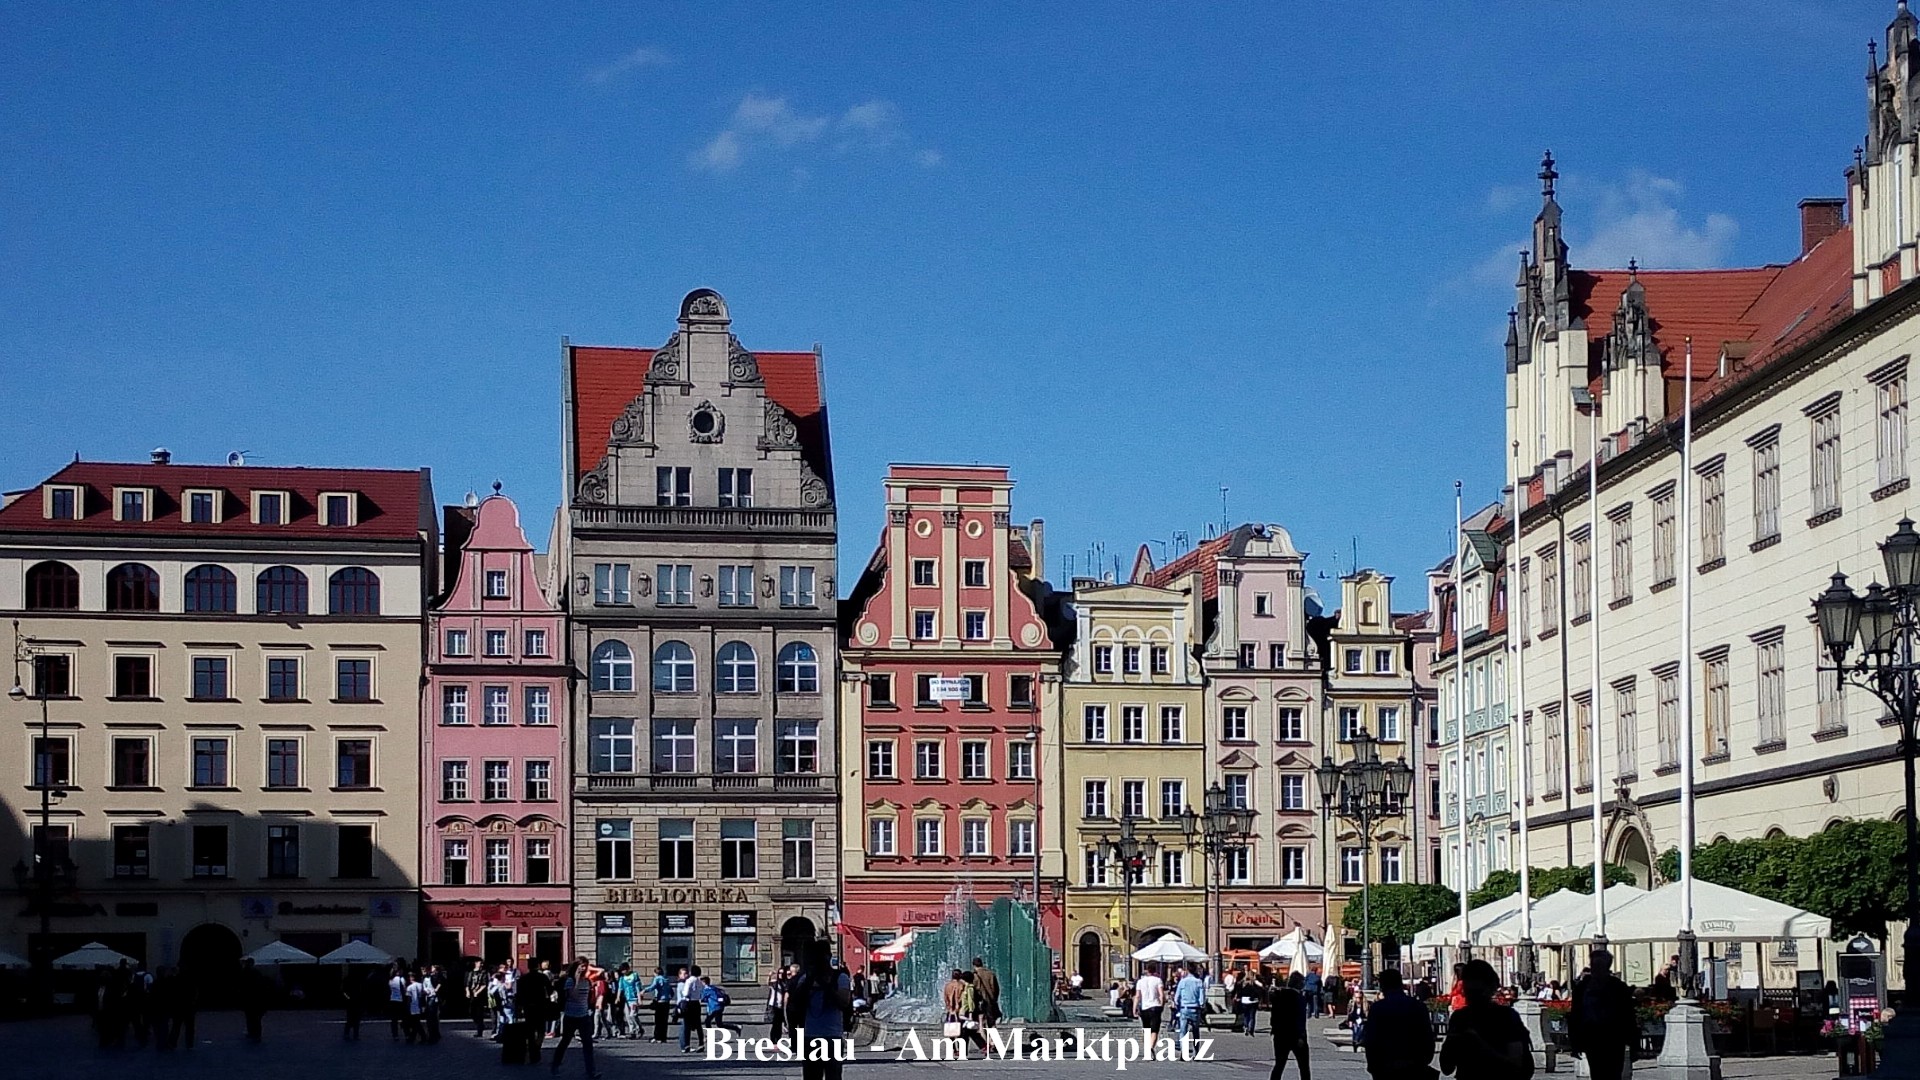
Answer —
1720 913
356 952
1446 932
1169 950
93 955
279 952
1298 943
8 960
1562 918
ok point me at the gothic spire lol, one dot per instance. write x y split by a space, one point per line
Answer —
1548 175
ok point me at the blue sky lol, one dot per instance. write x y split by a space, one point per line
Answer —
1135 251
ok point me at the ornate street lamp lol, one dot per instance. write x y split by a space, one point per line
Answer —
1884 624
27 649
1133 852
1221 828
1363 791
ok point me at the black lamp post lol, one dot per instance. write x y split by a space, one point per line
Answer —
1363 791
27 649
1883 624
1132 852
1223 826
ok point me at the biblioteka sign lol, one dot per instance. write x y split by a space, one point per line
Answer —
676 896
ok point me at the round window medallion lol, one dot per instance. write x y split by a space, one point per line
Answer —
923 527
705 424
974 528
868 633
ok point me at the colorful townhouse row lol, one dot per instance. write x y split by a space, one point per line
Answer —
309 705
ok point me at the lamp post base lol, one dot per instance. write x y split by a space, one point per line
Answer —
1529 1009
1687 1053
1526 964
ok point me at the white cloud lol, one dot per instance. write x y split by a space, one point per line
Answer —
761 123
1637 219
642 57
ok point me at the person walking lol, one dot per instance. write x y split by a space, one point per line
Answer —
1399 1042
1289 1007
777 990
1248 993
628 986
986 994
431 984
1314 989
819 999
1601 1025
691 1003
1457 993
532 994
1150 996
577 989
660 990
1189 1001
396 1001
353 998
1485 1039
255 989
477 998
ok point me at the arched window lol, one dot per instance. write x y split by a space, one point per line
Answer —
211 588
673 668
133 587
612 666
282 591
737 669
53 586
353 591
798 670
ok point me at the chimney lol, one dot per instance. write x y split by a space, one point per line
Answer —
1037 541
161 455
1819 219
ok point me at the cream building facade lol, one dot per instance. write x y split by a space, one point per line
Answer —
1484 843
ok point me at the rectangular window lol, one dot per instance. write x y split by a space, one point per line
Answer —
1233 723
1173 724
1583 743
1173 799
1096 799
354 758
923 690
1829 694
1554 750
283 851
1382 662
453 705
613 850
612 583
1387 719
738 860
1130 659
880 763
210 763
796 586
923 626
1133 798
1293 866
453 862
1770 657
355 680
926 760
1626 730
496 785
1826 459
880 838
673 746
283 678
1133 723
53 675
736 586
202 507
672 485
1719 708
674 585
798 747
539 706
1263 604
133 676
1103 659
974 573
355 854
131 851
539 781
1238 868
926 836
1350 661
210 678
1766 486
132 761
976 625
1160 657
1095 867
676 849
923 572
133 505
1239 788
1549 589
1093 724
1890 429
495 587
457 643
973 760
1173 867
1020 839
539 860
1713 513
879 689
1019 691
1352 865
1293 791
1020 761
209 851
269 508
454 781
1665 540
1582 577
338 510
499 865
1349 723
493 706
1622 560
736 487
736 746
796 849
1667 714
283 763
496 642
534 643
63 503
1292 725
1390 871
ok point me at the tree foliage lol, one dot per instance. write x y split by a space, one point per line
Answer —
1400 911
1853 872
1545 881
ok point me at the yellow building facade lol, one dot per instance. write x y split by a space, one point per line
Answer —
1134 759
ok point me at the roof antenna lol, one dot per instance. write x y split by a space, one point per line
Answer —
1226 523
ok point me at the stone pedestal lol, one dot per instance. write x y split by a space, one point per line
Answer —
1543 1056
1687 1053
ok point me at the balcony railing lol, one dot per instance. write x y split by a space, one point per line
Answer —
724 783
707 517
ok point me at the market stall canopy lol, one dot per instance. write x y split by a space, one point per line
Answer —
1290 946
1170 950
279 952
8 960
1720 913
356 952
895 949
1560 919
1447 931
93 955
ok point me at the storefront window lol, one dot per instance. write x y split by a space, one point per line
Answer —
613 945
676 939
739 948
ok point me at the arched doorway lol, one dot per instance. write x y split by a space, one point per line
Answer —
210 956
795 935
1631 852
1090 954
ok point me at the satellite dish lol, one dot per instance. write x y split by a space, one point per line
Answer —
238 457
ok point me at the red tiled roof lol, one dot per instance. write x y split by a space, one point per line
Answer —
606 378
395 504
1201 560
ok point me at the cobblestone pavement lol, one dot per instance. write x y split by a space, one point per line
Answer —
308 1046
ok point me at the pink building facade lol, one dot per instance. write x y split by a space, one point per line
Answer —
495 757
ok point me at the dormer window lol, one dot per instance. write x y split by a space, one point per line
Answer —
496 585
200 506
131 504
336 508
269 508
64 502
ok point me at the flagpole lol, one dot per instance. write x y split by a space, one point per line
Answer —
1460 729
1689 956
1518 755
1596 770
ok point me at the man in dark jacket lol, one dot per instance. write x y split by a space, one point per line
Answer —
1601 1024
532 1009
1399 1041
1290 1026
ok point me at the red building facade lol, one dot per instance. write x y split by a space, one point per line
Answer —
949 706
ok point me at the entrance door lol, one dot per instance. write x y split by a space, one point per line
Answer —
210 956
795 935
1089 965
550 945
496 946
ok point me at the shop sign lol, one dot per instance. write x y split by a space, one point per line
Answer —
256 907
676 922
737 922
649 895
616 922
288 907
384 907
877 938
921 916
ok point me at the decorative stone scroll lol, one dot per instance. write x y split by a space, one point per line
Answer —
779 432
668 364
743 369
813 490
592 490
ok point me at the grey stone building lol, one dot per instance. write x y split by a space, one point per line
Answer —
699 541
